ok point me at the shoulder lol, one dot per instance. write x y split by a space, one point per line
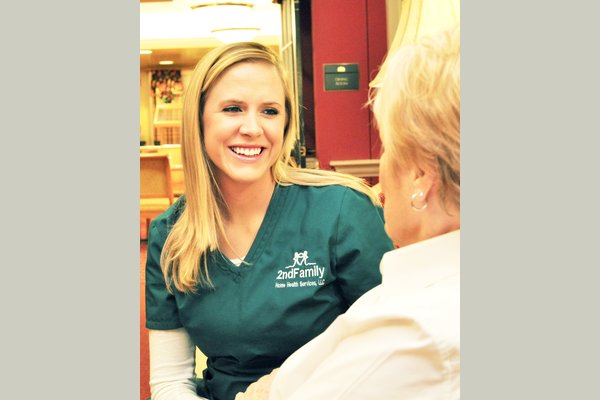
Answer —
330 193
337 201
165 221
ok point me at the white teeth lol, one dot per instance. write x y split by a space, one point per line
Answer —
247 151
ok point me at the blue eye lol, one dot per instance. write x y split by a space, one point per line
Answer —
232 109
271 111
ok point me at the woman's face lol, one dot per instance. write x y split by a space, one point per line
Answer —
243 122
396 183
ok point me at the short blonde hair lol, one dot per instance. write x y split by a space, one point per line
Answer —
417 109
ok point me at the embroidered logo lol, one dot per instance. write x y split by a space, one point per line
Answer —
300 273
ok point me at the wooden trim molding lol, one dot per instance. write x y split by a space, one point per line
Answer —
360 168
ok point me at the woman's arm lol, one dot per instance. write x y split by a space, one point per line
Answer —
360 243
384 357
172 364
258 390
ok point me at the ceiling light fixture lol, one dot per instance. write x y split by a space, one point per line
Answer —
228 21
198 4
232 35
166 62
145 51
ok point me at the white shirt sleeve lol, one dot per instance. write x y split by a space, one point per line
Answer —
391 360
172 365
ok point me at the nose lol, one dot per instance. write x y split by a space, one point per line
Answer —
251 125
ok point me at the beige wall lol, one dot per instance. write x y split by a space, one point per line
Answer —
145 112
409 20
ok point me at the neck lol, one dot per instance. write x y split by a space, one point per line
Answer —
433 221
247 206
247 201
441 222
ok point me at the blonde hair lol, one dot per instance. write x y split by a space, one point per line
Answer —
417 109
198 227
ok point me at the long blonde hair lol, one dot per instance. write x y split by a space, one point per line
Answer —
417 109
198 227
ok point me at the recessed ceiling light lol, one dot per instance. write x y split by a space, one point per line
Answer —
145 51
166 62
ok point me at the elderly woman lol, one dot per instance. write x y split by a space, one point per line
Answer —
401 340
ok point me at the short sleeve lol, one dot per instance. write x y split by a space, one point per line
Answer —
361 242
161 307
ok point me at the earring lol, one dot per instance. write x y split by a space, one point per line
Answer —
421 196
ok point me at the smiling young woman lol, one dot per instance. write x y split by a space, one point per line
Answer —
258 256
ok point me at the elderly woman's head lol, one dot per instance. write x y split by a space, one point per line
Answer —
417 108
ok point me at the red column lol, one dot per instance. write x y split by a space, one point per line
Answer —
346 31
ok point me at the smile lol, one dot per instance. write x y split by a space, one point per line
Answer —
247 151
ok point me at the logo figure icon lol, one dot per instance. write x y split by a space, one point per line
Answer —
300 258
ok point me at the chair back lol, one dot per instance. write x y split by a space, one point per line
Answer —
155 177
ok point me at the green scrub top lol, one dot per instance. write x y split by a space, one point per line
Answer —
317 250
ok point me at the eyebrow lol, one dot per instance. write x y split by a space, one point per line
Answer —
272 103
236 101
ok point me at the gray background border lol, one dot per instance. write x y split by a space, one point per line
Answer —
69 164
529 127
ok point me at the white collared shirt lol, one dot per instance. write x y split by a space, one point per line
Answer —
400 340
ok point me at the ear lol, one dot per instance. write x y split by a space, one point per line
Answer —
422 180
